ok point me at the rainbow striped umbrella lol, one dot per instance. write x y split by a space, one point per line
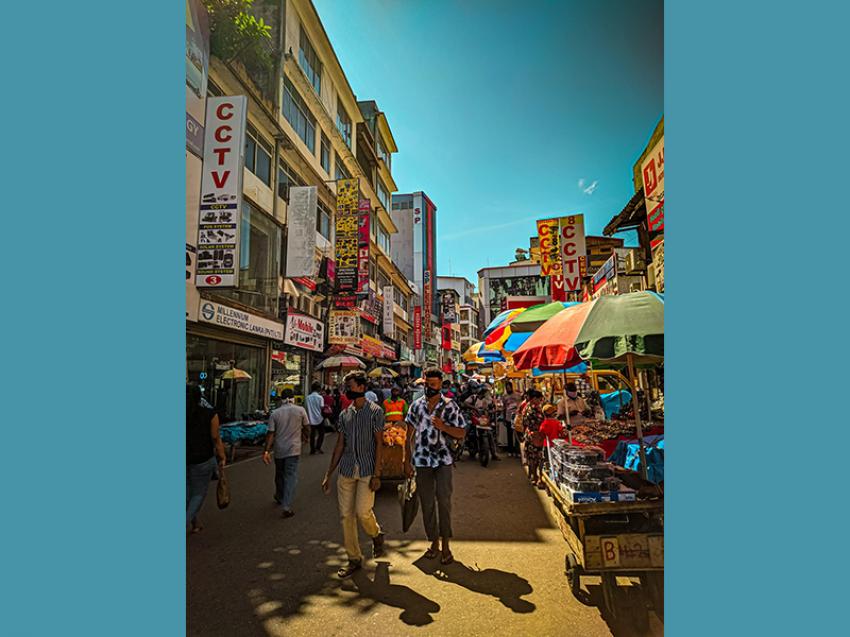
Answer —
496 322
478 354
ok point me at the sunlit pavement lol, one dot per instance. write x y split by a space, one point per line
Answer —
252 573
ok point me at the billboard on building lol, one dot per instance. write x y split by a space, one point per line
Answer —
346 242
449 308
197 68
301 231
363 240
417 328
652 170
573 250
500 288
344 327
389 316
220 215
550 247
304 332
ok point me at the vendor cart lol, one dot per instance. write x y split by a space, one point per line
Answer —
611 540
393 457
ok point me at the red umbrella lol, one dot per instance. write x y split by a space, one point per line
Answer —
552 345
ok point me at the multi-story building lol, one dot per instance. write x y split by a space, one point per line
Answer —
599 250
414 249
304 127
498 284
467 325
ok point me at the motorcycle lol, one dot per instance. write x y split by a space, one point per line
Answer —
482 422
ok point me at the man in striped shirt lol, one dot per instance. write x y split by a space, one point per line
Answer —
358 451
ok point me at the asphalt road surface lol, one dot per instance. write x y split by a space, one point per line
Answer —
252 573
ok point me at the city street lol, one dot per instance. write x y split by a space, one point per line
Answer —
250 572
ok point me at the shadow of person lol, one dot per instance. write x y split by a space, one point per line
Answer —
508 588
416 609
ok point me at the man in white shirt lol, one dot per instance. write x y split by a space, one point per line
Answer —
287 430
371 396
314 403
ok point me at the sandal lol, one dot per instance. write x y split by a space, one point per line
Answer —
447 559
432 553
349 570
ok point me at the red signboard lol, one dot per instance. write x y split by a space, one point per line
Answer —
447 336
417 328
559 292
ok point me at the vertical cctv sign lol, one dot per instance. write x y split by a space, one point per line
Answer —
652 171
573 250
221 192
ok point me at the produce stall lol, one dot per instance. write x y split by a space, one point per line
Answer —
395 448
610 532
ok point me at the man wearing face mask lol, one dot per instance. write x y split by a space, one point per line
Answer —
358 451
431 421
577 406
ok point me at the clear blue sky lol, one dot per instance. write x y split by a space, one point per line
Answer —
501 109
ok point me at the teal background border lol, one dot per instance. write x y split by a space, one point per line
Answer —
756 99
93 322
94 334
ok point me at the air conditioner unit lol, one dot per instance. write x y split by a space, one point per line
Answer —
635 261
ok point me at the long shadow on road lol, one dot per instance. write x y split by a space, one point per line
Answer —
417 610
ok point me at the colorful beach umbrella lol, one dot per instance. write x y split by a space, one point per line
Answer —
478 354
536 316
496 322
500 335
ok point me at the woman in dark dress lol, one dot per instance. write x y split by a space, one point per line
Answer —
203 445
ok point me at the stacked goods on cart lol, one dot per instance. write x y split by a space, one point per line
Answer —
395 435
583 475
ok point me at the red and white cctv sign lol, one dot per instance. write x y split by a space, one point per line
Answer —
652 170
573 250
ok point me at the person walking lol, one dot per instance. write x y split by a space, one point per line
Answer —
315 406
483 406
431 420
203 446
531 418
395 407
288 427
358 454
510 403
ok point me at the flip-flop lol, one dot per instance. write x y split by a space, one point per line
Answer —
431 553
447 559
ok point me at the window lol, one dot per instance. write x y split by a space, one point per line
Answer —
213 89
310 62
382 151
258 156
323 220
298 115
259 261
383 239
286 178
396 205
383 282
325 154
343 123
341 172
383 195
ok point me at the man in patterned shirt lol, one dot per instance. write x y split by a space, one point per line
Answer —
432 419
358 451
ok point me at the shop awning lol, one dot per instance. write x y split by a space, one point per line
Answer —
629 217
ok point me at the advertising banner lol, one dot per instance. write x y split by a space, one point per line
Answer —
389 317
427 303
301 231
234 319
550 247
344 327
305 332
446 334
197 66
346 227
417 328
559 292
345 301
573 250
658 265
221 193
652 170
194 168
500 288
363 231
449 309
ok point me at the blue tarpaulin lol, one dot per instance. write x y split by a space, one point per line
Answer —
239 431
627 454
611 402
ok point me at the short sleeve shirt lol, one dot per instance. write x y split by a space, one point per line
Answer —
430 448
286 422
358 426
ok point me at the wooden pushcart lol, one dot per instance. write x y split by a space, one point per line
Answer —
611 540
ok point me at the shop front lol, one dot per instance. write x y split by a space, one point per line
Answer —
293 357
228 354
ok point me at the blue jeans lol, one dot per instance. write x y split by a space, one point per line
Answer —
285 479
198 478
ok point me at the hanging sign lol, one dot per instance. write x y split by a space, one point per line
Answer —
559 293
417 328
221 192
363 232
389 318
346 241
344 327
301 232
573 250
304 332
446 334
550 247
652 170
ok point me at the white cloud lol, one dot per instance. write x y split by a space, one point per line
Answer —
591 188
581 183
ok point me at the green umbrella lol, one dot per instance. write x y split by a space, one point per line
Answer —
621 325
536 316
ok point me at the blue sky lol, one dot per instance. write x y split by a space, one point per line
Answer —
504 111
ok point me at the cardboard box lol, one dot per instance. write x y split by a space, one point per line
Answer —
623 495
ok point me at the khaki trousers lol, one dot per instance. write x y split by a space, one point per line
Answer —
356 500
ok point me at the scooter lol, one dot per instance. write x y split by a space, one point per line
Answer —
483 435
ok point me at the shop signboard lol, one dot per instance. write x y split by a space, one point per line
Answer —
449 308
344 327
301 232
427 303
556 283
345 301
363 239
197 67
572 250
658 265
221 192
224 316
389 314
346 240
652 170
516 302
446 334
371 307
550 247
417 328
371 346
304 332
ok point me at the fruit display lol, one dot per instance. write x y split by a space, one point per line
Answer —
395 435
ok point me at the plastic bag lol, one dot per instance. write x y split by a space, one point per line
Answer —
222 492
409 502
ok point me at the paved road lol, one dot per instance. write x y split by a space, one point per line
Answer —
251 573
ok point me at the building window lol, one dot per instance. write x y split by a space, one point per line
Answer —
383 195
382 152
258 156
396 206
325 154
383 282
286 178
343 123
341 172
383 239
298 115
323 220
310 62
213 89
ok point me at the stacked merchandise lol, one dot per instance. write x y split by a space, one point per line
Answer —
395 435
583 476
597 431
